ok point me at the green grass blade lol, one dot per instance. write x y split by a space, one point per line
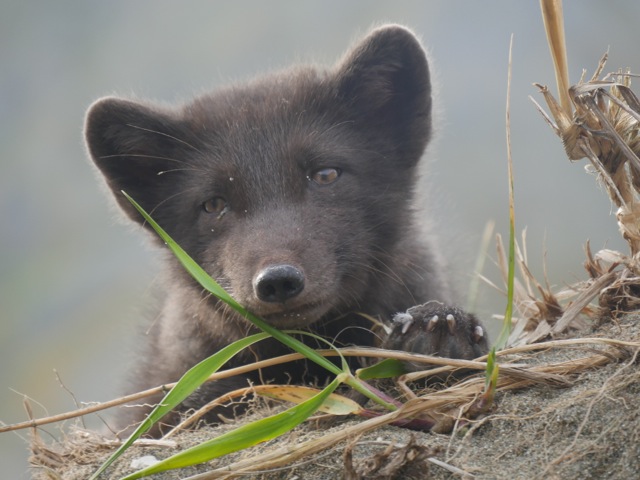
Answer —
491 368
387 368
187 262
191 380
491 381
319 339
244 436
506 326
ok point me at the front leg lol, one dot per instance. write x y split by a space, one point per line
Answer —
437 329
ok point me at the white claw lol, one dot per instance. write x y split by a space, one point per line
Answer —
451 323
478 333
404 319
406 326
432 323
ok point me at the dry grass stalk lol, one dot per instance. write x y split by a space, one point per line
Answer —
541 312
605 129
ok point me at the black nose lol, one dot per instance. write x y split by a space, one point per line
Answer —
278 283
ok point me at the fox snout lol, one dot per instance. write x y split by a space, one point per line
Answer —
278 283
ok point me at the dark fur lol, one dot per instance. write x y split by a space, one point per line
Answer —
255 149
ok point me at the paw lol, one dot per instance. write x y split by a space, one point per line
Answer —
437 329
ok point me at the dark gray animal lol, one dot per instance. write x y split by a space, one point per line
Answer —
295 192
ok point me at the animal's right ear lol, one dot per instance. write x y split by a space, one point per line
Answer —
133 145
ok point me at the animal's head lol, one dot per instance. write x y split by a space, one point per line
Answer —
289 189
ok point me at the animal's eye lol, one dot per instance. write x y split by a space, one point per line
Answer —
215 205
325 176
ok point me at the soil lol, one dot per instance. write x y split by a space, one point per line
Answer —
588 429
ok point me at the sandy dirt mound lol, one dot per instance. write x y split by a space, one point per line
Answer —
587 429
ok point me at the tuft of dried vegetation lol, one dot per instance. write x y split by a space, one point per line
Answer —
599 119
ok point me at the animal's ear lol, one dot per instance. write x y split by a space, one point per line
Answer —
384 81
134 146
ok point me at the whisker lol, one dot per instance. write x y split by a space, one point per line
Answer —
336 125
192 167
173 170
164 135
140 155
169 198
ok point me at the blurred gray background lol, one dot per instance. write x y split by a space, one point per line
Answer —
74 280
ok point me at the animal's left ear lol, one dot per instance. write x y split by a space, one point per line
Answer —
384 82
